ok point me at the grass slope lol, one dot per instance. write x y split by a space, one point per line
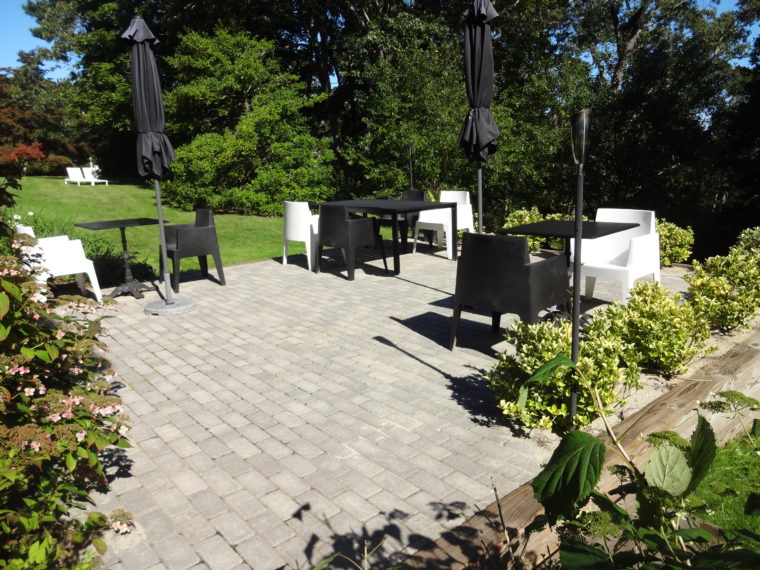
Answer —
241 238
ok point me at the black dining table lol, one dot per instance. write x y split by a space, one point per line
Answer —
130 286
566 229
394 208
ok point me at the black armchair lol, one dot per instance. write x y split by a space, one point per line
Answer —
193 240
407 220
494 273
338 230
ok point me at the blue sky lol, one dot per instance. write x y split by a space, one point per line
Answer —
16 35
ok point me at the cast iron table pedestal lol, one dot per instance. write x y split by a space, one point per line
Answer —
130 286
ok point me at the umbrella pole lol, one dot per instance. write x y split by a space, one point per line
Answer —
162 238
480 197
577 288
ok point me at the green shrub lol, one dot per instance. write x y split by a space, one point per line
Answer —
602 356
675 242
666 332
521 217
725 290
749 240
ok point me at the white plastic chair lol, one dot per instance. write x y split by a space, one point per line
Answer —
89 175
75 175
440 220
300 225
625 256
64 256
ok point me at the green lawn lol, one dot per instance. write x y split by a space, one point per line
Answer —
241 238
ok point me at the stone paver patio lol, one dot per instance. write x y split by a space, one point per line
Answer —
294 415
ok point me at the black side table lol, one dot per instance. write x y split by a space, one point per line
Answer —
130 286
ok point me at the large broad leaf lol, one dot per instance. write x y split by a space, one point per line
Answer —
701 453
5 303
739 558
583 556
669 470
571 475
545 371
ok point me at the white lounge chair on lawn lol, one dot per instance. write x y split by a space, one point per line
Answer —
75 175
89 176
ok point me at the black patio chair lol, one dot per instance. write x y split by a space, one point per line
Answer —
339 230
494 273
406 221
193 240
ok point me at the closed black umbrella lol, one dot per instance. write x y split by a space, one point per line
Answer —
154 151
479 131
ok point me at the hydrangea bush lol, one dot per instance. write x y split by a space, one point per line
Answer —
57 414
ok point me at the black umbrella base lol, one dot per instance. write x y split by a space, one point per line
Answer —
134 288
178 306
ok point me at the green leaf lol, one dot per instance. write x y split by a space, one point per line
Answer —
5 304
695 535
37 553
702 452
43 355
322 564
52 350
579 555
99 545
668 469
570 476
96 520
82 452
28 352
12 290
71 462
740 558
545 371
4 332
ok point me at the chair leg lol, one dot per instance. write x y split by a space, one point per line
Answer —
349 256
175 274
285 252
203 262
379 241
590 283
454 325
318 264
495 321
414 240
218 265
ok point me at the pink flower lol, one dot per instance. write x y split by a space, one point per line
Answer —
29 391
42 389
54 417
38 297
36 316
35 446
67 415
81 435
59 334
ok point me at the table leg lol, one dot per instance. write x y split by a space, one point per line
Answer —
454 232
396 256
130 286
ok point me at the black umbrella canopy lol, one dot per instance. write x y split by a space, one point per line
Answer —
154 151
479 131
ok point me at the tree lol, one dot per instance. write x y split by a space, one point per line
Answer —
257 153
408 90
